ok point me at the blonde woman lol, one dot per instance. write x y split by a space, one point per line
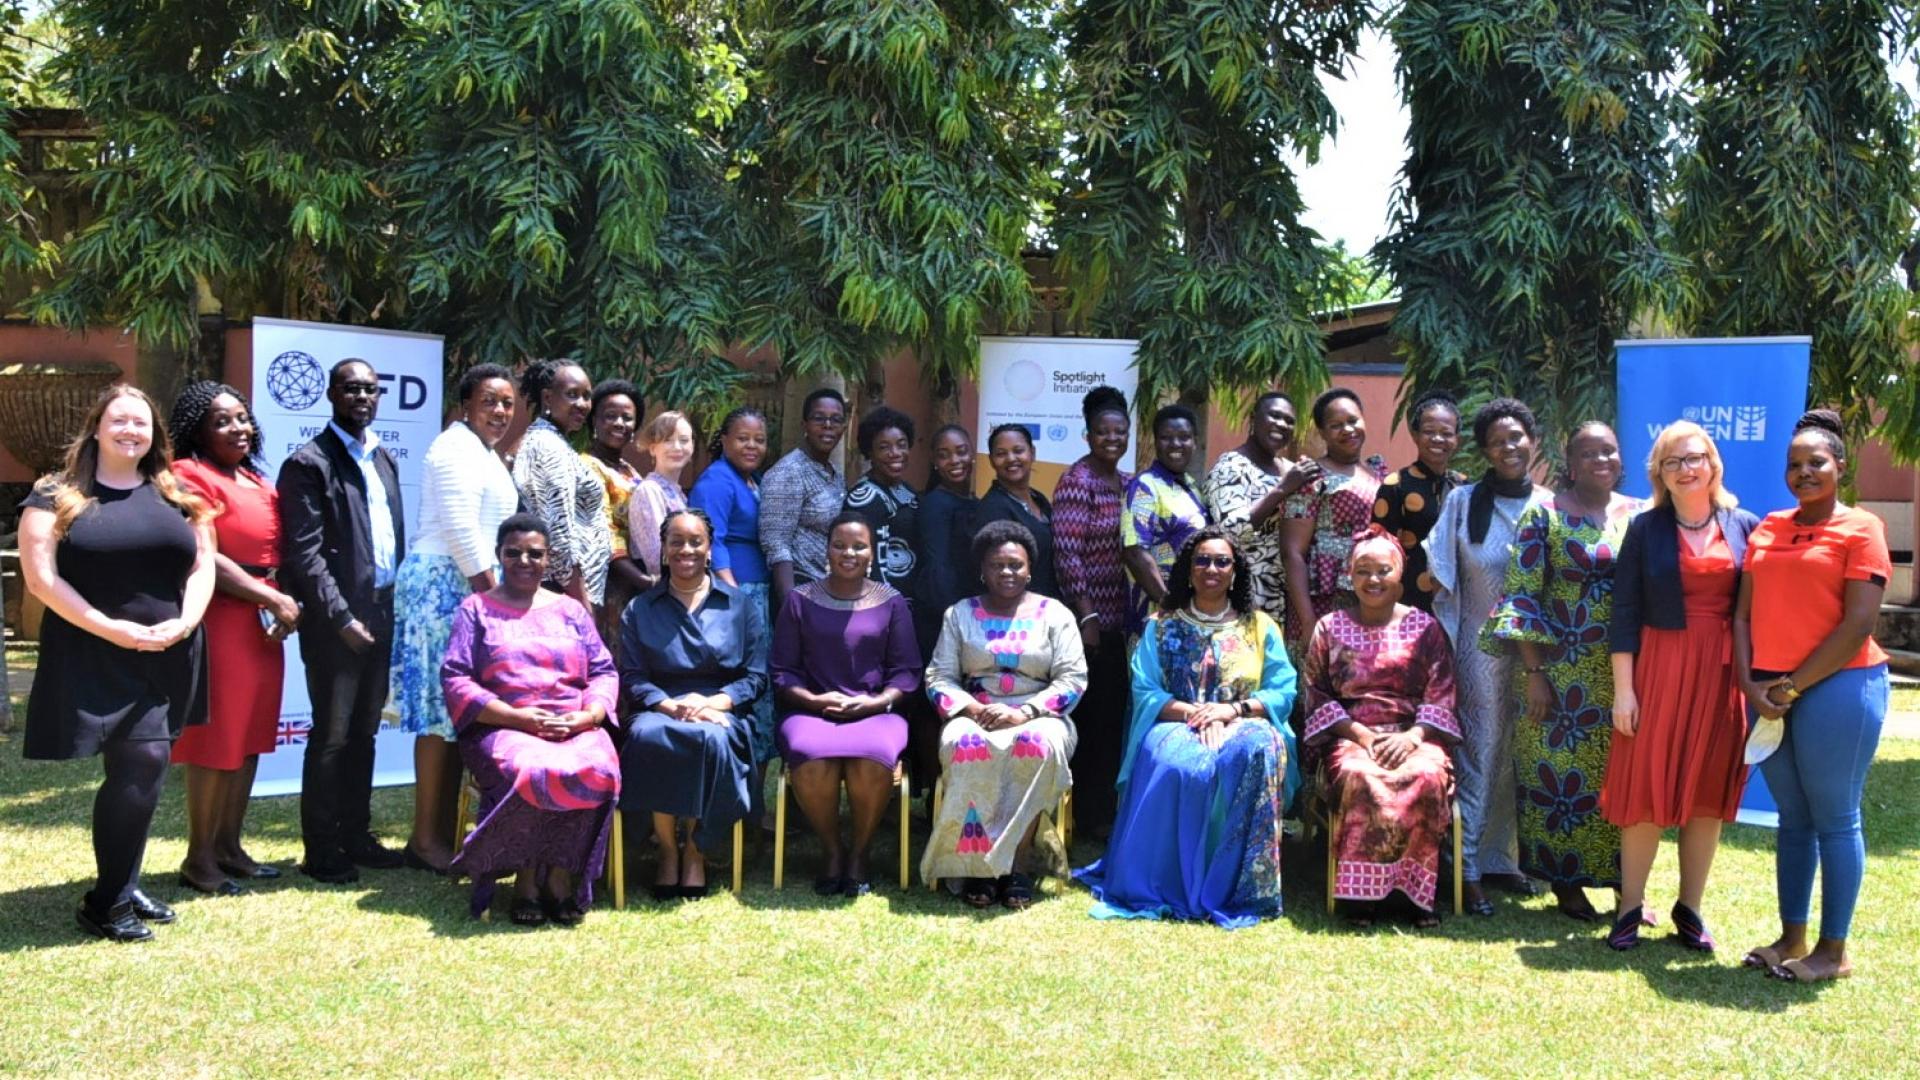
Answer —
1678 727
669 442
123 557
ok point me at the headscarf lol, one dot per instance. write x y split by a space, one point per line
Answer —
1374 540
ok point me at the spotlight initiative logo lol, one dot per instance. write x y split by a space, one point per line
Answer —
295 380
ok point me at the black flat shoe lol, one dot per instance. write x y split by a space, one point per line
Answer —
227 887
853 888
695 892
344 874
116 924
666 892
147 909
829 886
415 862
259 872
372 855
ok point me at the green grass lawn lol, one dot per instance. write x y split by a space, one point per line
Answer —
390 977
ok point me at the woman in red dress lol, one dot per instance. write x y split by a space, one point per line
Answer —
1676 757
218 446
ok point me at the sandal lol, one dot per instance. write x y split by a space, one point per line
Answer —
1016 892
1626 932
1360 915
527 912
1798 971
828 885
1426 920
1482 907
1690 930
566 912
1765 957
979 892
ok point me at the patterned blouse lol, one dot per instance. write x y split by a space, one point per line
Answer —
618 484
1387 677
1339 506
1233 488
894 513
653 498
1086 543
798 497
1034 656
561 489
1163 510
1408 506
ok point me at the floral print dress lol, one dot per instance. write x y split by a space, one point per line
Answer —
1339 506
1559 594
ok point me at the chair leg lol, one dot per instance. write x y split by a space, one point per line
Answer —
939 790
617 865
1459 869
462 818
906 813
780 832
1064 822
739 853
1333 864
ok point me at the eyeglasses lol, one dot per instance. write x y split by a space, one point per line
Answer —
828 419
514 554
1214 562
1696 462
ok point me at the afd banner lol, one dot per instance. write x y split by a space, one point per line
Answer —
291 361
1747 393
1038 382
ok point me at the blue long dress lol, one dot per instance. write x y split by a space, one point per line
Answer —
1198 832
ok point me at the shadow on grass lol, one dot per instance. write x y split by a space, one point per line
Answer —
1672 972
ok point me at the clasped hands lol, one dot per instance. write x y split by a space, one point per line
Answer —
1392 750
1760 696
1000 717
556 727
698 709
1213 722
834 705
140 637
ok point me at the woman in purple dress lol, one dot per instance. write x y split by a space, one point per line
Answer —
844 657
530 689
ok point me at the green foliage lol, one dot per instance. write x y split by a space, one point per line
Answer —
1798 195
1180 222
1351 280
1529 230
890 172
558 195
21 248
239 154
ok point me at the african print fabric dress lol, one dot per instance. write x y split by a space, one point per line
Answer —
1234 486
1408 507
1198 832
1389 821
998 782
1163 511
1339 506
1559 595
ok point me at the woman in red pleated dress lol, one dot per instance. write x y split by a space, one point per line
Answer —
1679 727
218 459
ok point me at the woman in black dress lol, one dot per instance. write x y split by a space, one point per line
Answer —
1013 498
123 558
1408 506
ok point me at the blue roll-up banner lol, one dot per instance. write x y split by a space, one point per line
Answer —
1747 393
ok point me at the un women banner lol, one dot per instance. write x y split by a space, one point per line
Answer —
291 362
1746 393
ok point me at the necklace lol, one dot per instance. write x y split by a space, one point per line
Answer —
695 591
1693 526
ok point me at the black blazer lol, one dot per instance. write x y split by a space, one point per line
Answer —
1646 577
326 540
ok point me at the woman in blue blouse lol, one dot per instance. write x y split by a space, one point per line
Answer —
728 494
693 664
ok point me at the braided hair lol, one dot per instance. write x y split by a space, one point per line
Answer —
1431 400
1826 424
1102 400
540 375
744 412
190 415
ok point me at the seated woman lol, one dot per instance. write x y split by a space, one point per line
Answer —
1204 783
844 656
693 661
530 688
1380 719
1006 671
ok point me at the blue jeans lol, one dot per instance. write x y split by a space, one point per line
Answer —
1817 778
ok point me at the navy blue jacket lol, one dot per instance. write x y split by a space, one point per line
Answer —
1646 576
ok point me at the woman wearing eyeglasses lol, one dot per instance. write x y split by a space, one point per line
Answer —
802 493
1678 727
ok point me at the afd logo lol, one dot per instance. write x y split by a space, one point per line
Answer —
296 381
1726 423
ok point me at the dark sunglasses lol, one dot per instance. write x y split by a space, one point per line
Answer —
1215 562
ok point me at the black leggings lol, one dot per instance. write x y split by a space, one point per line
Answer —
122 814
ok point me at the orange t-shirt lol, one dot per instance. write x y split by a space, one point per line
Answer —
1800 575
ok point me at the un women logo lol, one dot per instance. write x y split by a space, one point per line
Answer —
295 380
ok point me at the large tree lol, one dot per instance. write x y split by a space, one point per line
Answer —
1798 195
1529 231
1180 222
891 160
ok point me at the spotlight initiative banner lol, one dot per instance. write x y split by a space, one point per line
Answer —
1038 382
291 362
1747 393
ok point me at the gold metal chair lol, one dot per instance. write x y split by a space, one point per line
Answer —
1062 819
780 822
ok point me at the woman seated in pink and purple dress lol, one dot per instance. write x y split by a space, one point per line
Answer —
844 656
530 689
1380 719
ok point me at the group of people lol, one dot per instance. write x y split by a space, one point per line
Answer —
1197 659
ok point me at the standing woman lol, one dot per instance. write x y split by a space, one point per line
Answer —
946 538
669 442
1467 554
886 500
1163 512
1410 498
219 460
1318 523
124 560
1556 611
801 493
612 419
465 493
1678 721
558 485
1088 503
1803 637
727 495
1013 498
1248 488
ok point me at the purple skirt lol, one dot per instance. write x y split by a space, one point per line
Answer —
542 805
880 738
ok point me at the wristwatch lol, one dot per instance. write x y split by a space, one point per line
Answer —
1786 687
1243 709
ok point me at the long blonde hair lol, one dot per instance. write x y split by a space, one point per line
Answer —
72 488
1663 445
